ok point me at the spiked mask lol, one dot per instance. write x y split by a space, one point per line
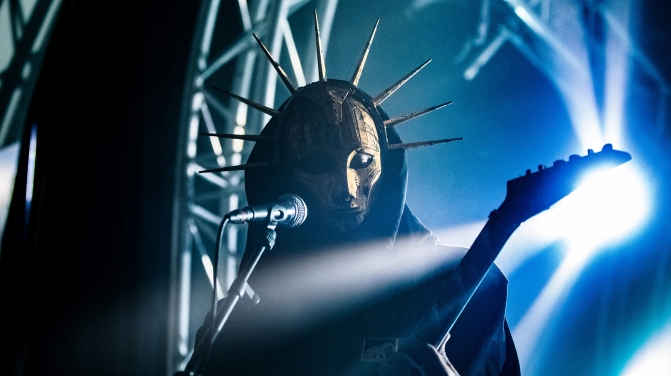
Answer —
331 136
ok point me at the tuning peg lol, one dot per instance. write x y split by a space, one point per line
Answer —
541 167
607 147
573 157
558 162
528 172
590 151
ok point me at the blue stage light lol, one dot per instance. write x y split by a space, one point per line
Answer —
607 207
653 358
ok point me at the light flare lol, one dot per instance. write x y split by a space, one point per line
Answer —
529 330
309 290
607 207
653 359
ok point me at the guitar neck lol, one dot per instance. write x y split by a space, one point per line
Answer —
526 196
464 280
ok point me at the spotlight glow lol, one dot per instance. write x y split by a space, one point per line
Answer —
607 207
528 332
307 290
653 358
527 18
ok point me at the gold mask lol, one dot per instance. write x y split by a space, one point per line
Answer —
329 136
330 139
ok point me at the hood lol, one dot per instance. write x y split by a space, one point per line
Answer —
389 217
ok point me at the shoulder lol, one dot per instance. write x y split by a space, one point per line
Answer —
494 275
451 255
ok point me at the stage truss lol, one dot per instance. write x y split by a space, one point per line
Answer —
543 31
202 200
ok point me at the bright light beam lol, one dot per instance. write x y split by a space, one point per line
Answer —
607 207
523 244
528 332
308 290
653 359
463 235
610 205
618 48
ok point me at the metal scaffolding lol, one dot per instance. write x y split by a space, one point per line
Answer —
543 31
24 28
569 41
202 200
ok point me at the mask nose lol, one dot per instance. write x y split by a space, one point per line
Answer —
352 182
347 185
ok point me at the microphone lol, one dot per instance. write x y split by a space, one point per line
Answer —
289 211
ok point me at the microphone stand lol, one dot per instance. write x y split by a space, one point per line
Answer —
201 352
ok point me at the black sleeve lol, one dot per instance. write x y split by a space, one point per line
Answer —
511 367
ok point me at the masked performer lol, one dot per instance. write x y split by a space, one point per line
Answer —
332 144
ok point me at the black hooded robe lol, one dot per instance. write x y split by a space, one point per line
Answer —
261 340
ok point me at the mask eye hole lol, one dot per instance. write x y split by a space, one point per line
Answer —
361 160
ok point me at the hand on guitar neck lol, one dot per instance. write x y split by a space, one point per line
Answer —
526 196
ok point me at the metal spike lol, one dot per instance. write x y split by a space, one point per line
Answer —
385 94
258 106
276 65
321 65
239 167
404 118
246 137
412 145
357 73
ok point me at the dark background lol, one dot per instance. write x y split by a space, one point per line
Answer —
85 290
85 284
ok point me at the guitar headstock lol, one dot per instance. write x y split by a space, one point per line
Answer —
536 191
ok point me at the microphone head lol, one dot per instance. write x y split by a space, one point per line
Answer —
297 216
